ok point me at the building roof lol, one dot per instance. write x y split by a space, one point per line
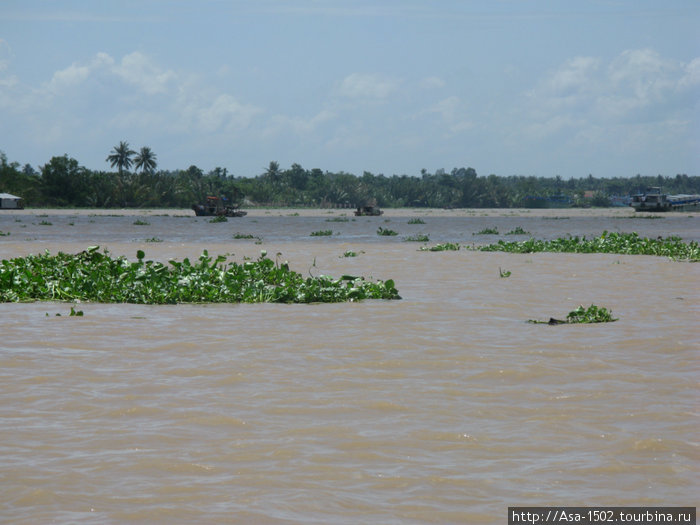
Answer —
8 196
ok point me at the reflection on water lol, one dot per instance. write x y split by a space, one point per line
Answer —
445 406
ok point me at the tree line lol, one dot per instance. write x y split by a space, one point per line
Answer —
64 182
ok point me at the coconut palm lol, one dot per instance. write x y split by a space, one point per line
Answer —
145 160
121 156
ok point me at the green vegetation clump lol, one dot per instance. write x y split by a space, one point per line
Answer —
96 276
321 233
139 222
517 231
442 247
487 231
416 221
592 314
386 232
417 238
4 234
218 218
618 243
582 315
244 236
338 219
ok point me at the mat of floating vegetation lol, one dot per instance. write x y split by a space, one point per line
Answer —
592 314
94 275
608 242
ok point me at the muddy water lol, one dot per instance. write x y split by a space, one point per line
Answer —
443 407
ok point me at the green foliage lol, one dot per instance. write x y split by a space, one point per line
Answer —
120 156
154 239
416 221
637 216
417 238
619 243
218 218
244 236
349 253
74 313
442 247
592 314
63 182
487 231
4 234
94 276
386 232
503 273
145 160
322 233
517 231
139 222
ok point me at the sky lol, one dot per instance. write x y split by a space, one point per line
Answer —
507 87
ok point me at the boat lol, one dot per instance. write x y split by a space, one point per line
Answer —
215 207
368 211
10 202
654 200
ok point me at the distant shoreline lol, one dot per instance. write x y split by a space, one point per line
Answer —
349 212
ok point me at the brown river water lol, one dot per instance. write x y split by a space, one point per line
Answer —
443 407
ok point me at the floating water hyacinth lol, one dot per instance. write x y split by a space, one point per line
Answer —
441 247
618 243
386 232
590 315
417 238
96 276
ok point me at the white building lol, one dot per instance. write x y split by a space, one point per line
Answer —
10 202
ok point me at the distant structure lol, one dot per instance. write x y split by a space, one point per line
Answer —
368 210
10 202
654 200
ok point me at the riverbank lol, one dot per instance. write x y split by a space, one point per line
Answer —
349 212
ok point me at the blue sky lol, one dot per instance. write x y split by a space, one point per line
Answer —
511 87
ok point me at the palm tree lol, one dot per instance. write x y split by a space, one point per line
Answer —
146 160
121 156
273 171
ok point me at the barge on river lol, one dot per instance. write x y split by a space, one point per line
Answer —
215 207
363 211
654 200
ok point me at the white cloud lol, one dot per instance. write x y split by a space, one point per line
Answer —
4 55
134 94
224 113
691 75
447 108
573 76
138 70
453 114
299 126
569 86
368 86
636 86
68 78
432 83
